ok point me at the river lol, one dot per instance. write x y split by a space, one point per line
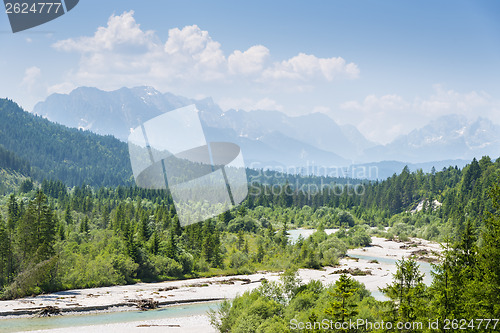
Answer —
78 320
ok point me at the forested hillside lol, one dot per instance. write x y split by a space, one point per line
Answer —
10 161
57 152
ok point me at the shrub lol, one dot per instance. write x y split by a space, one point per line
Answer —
238 259
166 266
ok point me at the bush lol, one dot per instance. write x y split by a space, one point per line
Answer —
274 324
238 259
37 279
202 265
125 266
242 223
187 262
358 237
332 249
97 272
346 219
166 267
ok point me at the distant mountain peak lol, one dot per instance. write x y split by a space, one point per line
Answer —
261 133
314 135
451 136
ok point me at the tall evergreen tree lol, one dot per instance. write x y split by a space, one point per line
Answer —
105 216
216 257
13 212
488 290
343 306
406 293
155 243
5 254
67 215
36 230
171 247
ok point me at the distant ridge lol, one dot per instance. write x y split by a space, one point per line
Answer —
273 139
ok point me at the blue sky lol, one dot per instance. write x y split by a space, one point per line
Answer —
383 66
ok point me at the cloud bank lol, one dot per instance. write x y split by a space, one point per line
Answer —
122 53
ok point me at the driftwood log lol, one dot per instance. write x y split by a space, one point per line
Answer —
145 304
48 311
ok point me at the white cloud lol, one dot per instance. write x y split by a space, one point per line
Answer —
249 62
306 67
385 117
121 31
194 50
121 53
267 104
31 77
445 101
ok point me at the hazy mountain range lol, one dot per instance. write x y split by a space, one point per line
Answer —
271 138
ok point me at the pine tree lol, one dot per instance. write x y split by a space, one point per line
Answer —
5 254
84 226
241 239
226 217
155 243
488 288
144 232
119 221
67 215
62 231
177 225
407 292
207 247
128 235
171 247
105 216
36 230
13 212
260 252
343 306
216 257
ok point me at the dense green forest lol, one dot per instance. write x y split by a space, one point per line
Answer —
53 237
44 149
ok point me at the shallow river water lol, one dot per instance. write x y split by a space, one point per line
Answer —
33 324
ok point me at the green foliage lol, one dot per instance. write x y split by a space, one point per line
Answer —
10 181
5 253
59 238
343 305
57 152
407 293
275 306
36 231
12 162
41 277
